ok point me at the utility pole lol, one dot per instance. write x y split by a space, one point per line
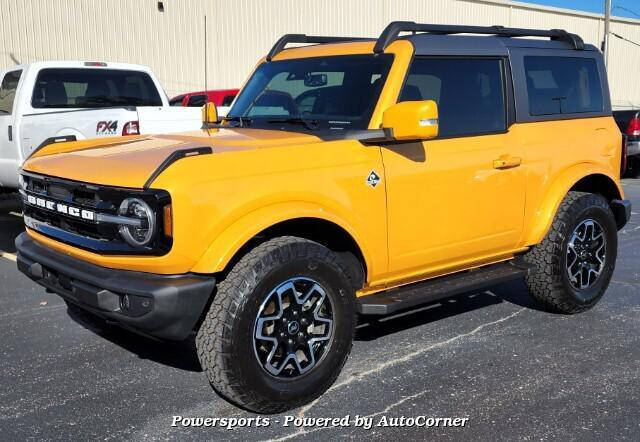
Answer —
205 55
607 20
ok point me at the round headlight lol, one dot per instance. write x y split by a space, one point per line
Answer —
137 236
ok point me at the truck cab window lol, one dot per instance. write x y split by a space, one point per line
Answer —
8 91
197 100
177 101
93 88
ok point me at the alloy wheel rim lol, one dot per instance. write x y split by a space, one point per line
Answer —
293 328
586 254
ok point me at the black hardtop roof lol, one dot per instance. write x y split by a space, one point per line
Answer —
430 39
434 44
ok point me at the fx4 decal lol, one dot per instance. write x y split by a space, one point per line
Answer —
107 127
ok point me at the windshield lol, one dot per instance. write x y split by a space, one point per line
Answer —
91 88
337 93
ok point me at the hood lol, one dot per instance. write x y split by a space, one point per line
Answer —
131 161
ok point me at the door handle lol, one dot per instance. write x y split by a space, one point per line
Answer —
506 162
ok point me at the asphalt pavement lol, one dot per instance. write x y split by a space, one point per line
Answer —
514 371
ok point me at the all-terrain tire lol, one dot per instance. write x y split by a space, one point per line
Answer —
225 340
549 282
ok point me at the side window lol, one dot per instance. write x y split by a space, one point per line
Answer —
469 93
176 101
562 85
305 103
227 100
197 100
8 91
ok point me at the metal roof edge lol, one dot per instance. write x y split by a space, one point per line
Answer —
563 11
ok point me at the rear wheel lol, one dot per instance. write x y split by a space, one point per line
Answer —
280 326
575 261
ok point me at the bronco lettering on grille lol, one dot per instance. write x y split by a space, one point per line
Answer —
61 208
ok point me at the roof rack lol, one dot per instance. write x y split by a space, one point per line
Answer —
391 32
302 38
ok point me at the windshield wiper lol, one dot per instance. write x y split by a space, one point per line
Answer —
310 124
238 119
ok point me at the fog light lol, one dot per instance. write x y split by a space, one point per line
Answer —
135 305
125 303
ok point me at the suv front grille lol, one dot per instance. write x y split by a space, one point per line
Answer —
43 196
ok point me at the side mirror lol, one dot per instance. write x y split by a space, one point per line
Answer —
412 120
209 113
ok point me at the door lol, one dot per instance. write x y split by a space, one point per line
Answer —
9 156
460 197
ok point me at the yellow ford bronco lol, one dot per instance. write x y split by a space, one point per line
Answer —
351 176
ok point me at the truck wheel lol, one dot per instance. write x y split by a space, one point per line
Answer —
280 326
575 261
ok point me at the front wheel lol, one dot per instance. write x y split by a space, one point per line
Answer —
575 261
280 326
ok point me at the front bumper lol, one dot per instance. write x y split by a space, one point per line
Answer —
161 306
633 148
621 211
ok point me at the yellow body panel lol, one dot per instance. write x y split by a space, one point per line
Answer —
447 203
557 155
442 205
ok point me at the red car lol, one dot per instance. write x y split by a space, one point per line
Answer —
221 97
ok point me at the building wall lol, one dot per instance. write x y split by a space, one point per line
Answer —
239 32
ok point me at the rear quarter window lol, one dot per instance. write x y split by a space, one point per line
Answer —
562 85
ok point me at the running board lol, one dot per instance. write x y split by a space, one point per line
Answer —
406 297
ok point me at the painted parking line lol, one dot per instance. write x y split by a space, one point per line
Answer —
9 256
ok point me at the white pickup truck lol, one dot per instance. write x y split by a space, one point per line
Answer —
46 102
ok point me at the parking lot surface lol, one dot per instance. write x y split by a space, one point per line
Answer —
514 371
